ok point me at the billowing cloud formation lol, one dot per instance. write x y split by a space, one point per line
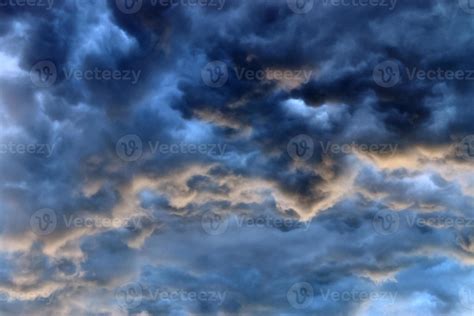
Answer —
236 157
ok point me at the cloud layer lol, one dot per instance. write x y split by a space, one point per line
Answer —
236 157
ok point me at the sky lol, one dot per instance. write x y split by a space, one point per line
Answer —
236 157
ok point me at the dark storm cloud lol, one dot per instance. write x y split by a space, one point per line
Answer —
167 47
